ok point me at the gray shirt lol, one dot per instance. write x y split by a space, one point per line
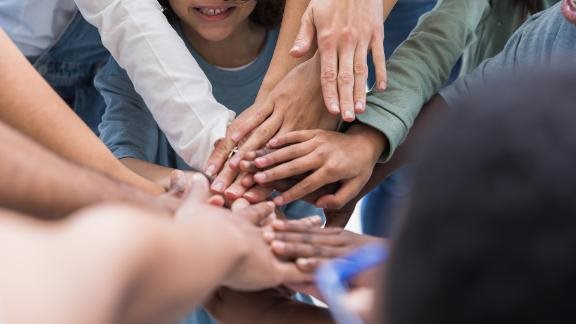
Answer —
546 39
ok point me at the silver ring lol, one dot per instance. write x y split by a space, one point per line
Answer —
234 151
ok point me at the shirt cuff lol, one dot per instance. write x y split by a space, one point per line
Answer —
389 124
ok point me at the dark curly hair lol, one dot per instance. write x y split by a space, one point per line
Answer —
268 13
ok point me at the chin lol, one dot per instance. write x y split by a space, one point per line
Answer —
215 35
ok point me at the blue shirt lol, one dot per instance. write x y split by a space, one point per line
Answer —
546 39
130 131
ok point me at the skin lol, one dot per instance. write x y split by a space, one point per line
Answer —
41 183
46 119
346 31
569 10
330 157
281 112
148 262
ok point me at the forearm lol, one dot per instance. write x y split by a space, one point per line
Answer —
156 173
268 306
38 182
31 106
163 72
421 65
282 62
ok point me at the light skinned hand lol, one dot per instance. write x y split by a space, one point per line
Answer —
259 268
329 157
280 112
346 30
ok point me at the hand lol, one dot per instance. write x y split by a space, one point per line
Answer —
330 157
280 112
346 30
310 245
257 267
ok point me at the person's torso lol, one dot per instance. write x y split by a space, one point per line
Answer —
237 89
501 20
34 25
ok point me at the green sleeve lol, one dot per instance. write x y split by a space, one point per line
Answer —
421 65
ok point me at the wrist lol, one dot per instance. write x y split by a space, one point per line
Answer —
372 138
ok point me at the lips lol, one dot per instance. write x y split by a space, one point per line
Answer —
213 13
569 10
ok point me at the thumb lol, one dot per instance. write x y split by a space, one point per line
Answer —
197 192
255 214
305 37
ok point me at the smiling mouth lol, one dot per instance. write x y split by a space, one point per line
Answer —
214 12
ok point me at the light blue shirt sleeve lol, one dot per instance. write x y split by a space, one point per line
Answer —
127 127
546 40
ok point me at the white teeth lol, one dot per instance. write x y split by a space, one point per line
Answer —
213 11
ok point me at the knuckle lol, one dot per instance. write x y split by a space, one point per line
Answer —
329 73
345 77
326 39
332 167
348 34
360 68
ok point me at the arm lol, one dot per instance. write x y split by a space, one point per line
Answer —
145 254
164 73
33 108
38 182
420 66
282 62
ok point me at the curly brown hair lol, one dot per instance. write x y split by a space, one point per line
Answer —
268 13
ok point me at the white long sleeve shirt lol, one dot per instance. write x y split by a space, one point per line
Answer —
163 72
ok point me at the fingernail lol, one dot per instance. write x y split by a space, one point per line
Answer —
295 48
273 142
271 205
250 195
218 186
382 85
260 177
268 236
349 116
334 107
279 245
359 105
211 171
279 201
236 136
302 262
261 162
232 192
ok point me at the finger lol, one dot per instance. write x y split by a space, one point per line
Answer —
346 80
179 183
310 184
305 36
287 170
248 181
310 264
224 179
249 120
219 156
317 238
360 78
290 138
263 133
329 75
302 250
379 59
217 201
248 166
235 159
300 227
198 194
255 214
239 204
290 273
236 190
305 223
348 191
285 154
258 194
